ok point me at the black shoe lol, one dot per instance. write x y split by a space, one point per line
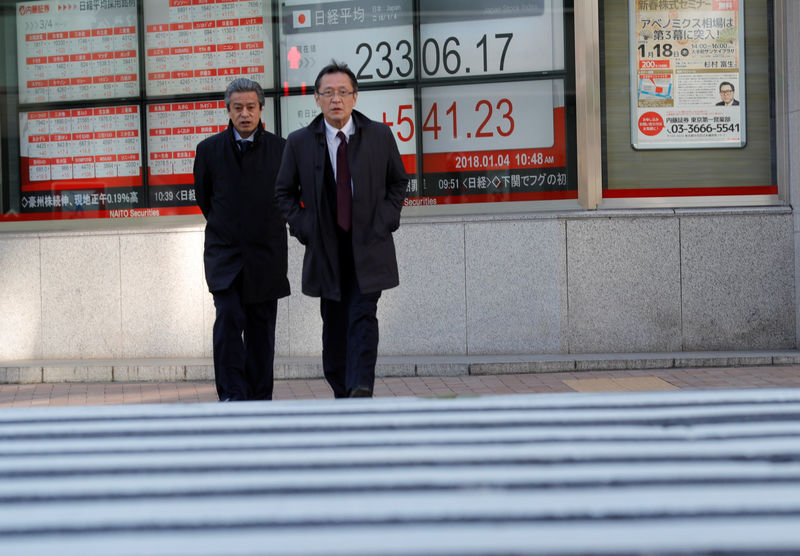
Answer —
360 392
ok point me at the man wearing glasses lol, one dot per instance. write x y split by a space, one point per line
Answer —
341 187
726 91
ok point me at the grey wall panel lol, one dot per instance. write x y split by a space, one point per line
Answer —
426 313
666 281
794 154
796 275
20 298
81 317
514 276
162 294
282 328
794 188
304 322
209 314
623 276
792 11
738 282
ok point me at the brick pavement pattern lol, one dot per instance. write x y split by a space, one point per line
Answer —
109 393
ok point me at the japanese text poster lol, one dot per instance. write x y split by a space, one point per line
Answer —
687 74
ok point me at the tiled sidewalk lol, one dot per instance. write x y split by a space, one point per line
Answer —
27 395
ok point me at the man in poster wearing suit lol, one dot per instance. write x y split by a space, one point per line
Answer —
341 187
726 92
245 243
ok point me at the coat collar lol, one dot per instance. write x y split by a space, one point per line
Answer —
257 135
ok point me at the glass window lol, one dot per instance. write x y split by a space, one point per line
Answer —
102 103
494 142
199 46
81 159
374 37
480 37
488 106
394 107
682 85
68 52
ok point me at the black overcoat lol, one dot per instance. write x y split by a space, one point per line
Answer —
379 188
245 232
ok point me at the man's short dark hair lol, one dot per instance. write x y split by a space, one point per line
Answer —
336 67
729 84
243 85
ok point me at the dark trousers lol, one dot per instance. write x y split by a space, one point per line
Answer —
350 340
244 345
349 331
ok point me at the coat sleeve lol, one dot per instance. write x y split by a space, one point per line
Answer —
202 180
396 185
288 194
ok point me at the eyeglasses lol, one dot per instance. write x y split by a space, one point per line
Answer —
341 94
725 91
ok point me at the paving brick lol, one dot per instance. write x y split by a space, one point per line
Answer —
644 383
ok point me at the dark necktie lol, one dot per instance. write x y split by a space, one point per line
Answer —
344 197
243 145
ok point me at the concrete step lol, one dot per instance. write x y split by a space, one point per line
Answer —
202 369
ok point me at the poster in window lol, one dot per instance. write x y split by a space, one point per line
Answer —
82 50
687 74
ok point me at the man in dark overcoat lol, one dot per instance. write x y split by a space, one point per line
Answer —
245 243
341 187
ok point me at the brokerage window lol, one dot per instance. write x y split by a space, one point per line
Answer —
114 95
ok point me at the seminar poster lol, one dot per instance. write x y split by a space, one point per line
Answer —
687 74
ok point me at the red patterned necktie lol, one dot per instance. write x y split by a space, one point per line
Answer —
344 196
